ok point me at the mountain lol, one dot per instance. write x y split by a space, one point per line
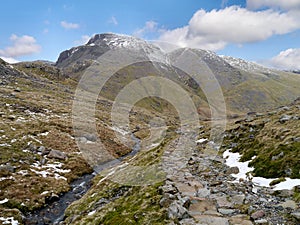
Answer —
246 86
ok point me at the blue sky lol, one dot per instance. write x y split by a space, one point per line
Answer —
265 31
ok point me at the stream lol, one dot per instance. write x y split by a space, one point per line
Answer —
53 212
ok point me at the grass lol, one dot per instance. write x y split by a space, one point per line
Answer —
277 181
129 205
124 204
270 141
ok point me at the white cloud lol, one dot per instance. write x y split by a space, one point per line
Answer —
283 4
84 39
288 59
24 45
9 59
215 29
68 26
113 20
149 27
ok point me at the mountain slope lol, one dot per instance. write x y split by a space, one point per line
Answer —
246 86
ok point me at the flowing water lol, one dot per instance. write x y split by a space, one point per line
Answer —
53 212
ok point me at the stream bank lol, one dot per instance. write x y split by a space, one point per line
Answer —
53 212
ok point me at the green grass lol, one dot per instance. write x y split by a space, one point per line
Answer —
271 142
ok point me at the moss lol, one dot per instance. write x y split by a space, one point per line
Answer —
140 206
277 181
271 142
297 194
244 208
266 167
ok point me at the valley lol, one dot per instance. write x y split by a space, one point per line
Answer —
161 167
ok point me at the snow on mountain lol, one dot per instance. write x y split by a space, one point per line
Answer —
101 43
246 65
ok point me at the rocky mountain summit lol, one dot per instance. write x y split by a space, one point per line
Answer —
253 177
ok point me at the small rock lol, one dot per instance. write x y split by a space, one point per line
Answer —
258 214
177 211
7 168
45 151
185 202
261 221
280 155
203 192
238 199
167 199
212 213
187 222
53 197
232 170
47 220
81 139
285 118
90 137
285 108
41 149
263 200
296 139
240 219
206 219
57 155
296 215
289 204
43 161
11 117
169 188
32 148
288 172
233 145
297 188
285 193
223 202
226 211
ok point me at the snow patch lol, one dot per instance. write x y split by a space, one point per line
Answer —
288 184
154 145
3 201
9 220
233 160
201 140
7 178
92 213
119 130
43 134
5 145
23 172
43 173
51 169
33 138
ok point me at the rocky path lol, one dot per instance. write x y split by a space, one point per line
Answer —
200 190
